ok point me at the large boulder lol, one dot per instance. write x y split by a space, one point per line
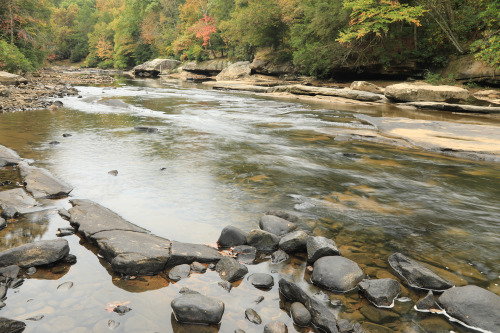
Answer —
263 240
35 254
11 326
209 67
9 79
238 70
41 184
18 199
416 274
155 67
381 292
197 309
230 270
319 246
366 86
406 92
473 306
299 89
467 68
232 236
8 157
276 225
294 242
336 273
186 253
267 65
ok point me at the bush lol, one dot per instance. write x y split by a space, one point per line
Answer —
12 60
105 64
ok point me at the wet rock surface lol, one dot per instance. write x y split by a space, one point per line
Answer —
9 213
230 270
253 316
179 272
261 280
416 274
276 225
147 129
35 254
263 240
17 198
381 292
197 309
41 184
186 253
8 157
336 273
197 267
318 247
300 314
426 303
294 242
245 254
11 326
279 257
275 327
472 305
232 236
3 223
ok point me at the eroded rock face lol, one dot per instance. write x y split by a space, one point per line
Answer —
366 86
337 273
276 225
41 184
197 309
11 79
209 67
8 157
405 92
238 70
35 254
381 292
155 67
472 305
416 274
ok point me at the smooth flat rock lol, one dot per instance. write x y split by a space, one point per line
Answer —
8 157
186 253
232 236
19 199
42 184
276 225
11 326
179 272
35 254
230 270
245 254
253 316
90 218
455 107
381 292
319 246
416 274
427 303
261 280
321 315
294 242
300 315
335 92
263 240
133 253
197 309
473 306
275 327
406 92
336 273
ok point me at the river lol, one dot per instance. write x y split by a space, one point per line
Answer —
222 158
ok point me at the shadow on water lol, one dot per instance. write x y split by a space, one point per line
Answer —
226 158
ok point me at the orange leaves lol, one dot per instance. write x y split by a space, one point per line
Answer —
204 28
104 48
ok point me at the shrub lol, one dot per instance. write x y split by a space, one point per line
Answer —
12 60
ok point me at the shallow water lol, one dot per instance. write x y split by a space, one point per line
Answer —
224 158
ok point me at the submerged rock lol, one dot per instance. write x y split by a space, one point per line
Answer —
179 272
300 315
9 213
41 184
35 254
294 242
147 129
17 198
263 240
197 267
473 306
427 303
122 309
197 309
319 246
279 257
11 326
230 270
284 215
276 225
261 280
275 327
8 273
8 157
253 316
245 253
336 273
226 285
416 274
3 223
232 236
380 292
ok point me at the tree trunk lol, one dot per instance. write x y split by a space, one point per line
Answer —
11 14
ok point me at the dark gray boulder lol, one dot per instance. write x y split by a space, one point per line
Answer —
275 327
263 240
186 253
41 184
253 316
18 199
179 272
9 212
276 225
336 273
197 267
197 309
284 215
8 157
473 306
279 257
381 292
35 254
416 274
3 223
319 246
321 315
294 242
230 270
245 254
11 326
261 280
427 303
232 236
300 315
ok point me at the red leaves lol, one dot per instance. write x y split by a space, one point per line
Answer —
204 28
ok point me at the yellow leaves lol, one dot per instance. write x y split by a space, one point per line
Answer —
104 48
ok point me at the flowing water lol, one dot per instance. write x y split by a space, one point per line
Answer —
223 158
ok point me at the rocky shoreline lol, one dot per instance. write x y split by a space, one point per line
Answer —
132 251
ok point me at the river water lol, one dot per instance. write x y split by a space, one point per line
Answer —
223 158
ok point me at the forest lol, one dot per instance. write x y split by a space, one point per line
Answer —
318 36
